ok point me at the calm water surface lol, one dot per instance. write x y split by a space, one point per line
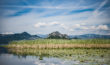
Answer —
55 57
10 59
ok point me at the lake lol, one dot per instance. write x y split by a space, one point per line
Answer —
55 57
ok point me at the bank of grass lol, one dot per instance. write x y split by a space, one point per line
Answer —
61 43
94 51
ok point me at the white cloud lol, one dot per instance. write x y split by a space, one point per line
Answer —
68 28
85 28
83 23
44 24
99 27
40 25
102 4
71 30
92 27
64 26
97 12
6 33
54 23
69 5
102 27
77 25
97 16
68 22
50 7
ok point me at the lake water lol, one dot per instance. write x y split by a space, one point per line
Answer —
10 59
56 57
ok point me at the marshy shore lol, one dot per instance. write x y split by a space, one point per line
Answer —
60 44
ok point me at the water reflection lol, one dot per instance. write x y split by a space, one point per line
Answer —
55 57
10 59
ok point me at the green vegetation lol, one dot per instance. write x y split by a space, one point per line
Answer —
87 52
61 43
95 56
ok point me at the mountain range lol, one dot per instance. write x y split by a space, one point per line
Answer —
89 36
6 38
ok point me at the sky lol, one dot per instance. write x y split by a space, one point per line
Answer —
72 17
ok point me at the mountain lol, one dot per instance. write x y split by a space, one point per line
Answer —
6 38
89 36
57 35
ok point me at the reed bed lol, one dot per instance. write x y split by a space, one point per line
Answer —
63 41
85 51
58 46
60 43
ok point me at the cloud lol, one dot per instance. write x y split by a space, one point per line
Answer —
29 6
44 15
54 23
97 12
99 27
84 28
64 26
102 4
54 4
7 33
77 25
40 25
98 15
102 27
44 24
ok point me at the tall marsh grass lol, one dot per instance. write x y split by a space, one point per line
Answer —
61 43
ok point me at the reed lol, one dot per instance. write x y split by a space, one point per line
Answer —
60 43
85 51
63 41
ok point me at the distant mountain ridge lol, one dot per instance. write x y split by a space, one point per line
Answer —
89 36
4 39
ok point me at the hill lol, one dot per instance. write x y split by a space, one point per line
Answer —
6 38
57 35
